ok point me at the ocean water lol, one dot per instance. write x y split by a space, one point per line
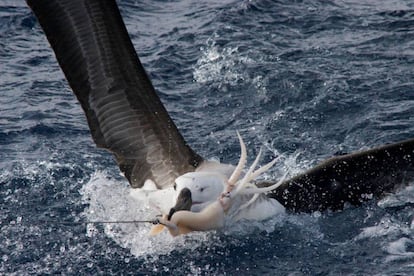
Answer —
303 79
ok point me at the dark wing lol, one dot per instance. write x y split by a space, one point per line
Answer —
124 113
352 178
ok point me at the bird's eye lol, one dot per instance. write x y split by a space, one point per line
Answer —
175 186
201 189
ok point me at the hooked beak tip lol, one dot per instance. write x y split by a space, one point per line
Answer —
184 202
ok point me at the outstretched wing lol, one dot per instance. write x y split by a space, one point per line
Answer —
124 113
352 178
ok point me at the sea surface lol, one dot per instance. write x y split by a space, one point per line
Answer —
303 79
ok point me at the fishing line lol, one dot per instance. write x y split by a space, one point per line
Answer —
154 221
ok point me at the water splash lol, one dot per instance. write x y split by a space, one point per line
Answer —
221 66
109 199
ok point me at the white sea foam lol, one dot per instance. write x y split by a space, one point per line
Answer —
386 227
220 65
399 198
394 235
110 200
398 250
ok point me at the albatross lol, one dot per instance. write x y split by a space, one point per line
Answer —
126 117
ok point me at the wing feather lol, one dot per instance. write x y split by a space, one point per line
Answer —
351 178
123 111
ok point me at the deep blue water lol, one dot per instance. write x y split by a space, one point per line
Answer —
306 79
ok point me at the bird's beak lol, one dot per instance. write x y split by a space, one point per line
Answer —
184 202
